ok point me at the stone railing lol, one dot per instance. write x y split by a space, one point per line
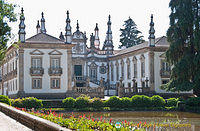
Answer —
36 71
92 92
130 91
33 122
165 73
55 71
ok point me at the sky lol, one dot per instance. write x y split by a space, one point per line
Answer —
90 12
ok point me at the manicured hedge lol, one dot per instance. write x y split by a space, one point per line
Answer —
172 102
113 102
28 103
136 102
5 99
69 102
97 103
82 102
157 101
141 101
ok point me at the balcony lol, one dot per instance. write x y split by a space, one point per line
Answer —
36 71
165 73
55 71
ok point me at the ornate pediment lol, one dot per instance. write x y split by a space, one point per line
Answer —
55 52
36 52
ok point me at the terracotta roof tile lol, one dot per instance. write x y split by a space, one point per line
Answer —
44 38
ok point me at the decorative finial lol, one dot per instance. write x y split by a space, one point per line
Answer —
96 28
151 33
67 14
43 29
22 10
38 24
109 17
77 26
152 23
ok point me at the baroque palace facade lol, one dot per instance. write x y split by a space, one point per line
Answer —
44 66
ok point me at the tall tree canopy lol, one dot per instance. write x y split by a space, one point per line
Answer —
130 35
184 50
6 15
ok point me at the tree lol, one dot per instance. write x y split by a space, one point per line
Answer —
184 50
130 34
6 15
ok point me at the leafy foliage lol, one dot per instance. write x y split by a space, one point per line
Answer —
28 102
69 102
157 101
194 101
141 101
97 103
113 102
172 102
82 102
125 102
5 99
184 50
130 34
6 15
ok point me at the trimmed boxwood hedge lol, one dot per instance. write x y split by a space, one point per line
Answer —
5 99
28 103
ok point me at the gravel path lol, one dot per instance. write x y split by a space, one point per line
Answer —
9 124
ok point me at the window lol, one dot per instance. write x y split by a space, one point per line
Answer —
165 66
143 84
93 73
165 81
135 69
142 69
36 63
55 83
16 84
129 84
37 83
78 70
128 72
117 72
55 62
13 65
111 72
122 69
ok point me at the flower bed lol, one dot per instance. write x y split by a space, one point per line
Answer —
90 123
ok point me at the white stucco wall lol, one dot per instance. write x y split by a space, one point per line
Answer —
45 78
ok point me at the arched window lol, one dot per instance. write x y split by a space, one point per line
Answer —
135 66
128 69
142 60
122 69
117 70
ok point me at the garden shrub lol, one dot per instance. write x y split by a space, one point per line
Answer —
69 102
194 102
5 99
113 102
172 102
97 103
125 102
158 101
28 102
17 103
141 101
82 102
